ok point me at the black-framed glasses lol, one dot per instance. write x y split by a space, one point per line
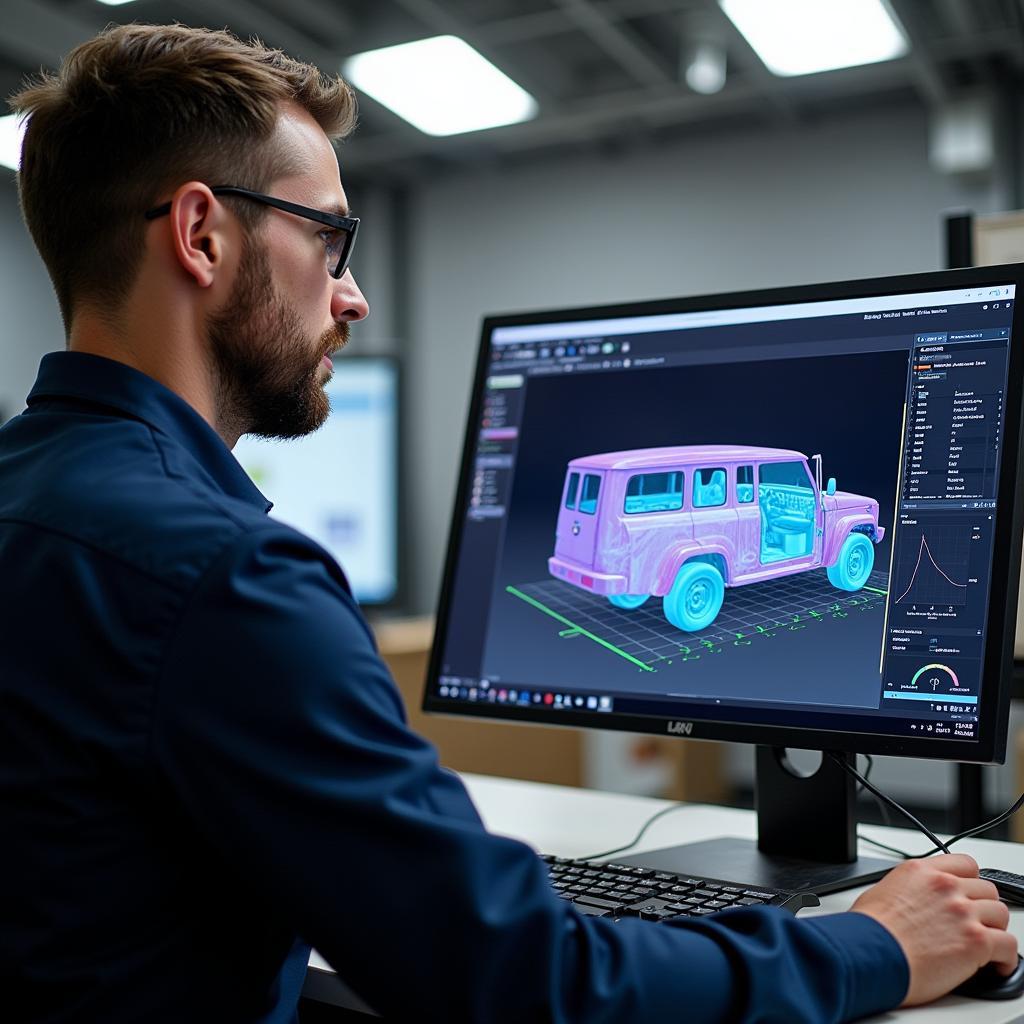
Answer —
339 245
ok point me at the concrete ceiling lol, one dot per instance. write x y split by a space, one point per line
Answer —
606 73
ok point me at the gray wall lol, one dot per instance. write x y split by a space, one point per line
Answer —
851 197
31 321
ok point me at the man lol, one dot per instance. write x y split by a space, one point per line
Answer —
204 766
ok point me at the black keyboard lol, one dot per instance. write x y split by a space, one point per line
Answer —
1009 884
622 890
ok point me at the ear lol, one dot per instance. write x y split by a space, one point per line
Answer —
200 230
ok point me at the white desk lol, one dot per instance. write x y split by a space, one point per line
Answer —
575 823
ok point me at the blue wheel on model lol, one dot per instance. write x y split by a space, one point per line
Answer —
628 601
696 597
854 564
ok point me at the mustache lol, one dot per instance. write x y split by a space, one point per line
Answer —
335 337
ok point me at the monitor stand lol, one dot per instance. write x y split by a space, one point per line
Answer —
806 834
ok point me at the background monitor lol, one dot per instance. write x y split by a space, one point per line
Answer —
788 518
339 485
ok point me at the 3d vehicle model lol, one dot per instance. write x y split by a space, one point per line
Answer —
683 523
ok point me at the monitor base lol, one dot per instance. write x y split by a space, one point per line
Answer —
740 860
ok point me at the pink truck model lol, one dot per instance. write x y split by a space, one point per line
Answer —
684 523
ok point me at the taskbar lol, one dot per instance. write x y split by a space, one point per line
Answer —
938 719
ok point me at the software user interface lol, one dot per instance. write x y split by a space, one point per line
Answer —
775 515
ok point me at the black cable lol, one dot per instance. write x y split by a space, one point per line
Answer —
636 839
880 798
985 826
849 769
944 847
892 849
880 803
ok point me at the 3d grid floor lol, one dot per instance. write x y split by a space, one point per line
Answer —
749 614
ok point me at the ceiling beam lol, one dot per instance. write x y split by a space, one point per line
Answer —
582 122
1016 33
608 116
245 18
521 28
525 28
326 19
621 44
33 32
958 15
927 75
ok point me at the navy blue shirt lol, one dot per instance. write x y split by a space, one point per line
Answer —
205 768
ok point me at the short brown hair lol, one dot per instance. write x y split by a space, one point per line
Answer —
133 113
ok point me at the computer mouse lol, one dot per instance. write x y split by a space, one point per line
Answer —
988 983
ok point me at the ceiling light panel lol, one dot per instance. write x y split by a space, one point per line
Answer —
803 37
12 131
441 85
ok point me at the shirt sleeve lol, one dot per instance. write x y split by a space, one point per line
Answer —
284 737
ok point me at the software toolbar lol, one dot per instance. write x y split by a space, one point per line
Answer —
937 601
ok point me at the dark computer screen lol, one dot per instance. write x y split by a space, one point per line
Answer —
784 517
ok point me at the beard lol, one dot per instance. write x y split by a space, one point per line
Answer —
269 371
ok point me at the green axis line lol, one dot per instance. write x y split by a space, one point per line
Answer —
875 590
579 629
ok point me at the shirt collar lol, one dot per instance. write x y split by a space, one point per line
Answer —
106 382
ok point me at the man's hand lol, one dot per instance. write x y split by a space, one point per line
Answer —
948 921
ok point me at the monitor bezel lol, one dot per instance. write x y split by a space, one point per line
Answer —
990 747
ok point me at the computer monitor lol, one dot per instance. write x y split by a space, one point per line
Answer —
790 518
339 485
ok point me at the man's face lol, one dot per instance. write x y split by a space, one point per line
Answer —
285 314
270 365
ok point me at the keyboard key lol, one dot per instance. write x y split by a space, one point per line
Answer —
601 904
591 911
648 909
759 895
705 892
715 904
748 901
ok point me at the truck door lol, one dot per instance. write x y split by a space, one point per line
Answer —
791 517
748 523
577 521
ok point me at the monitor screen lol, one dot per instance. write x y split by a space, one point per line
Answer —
784 517
339 485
